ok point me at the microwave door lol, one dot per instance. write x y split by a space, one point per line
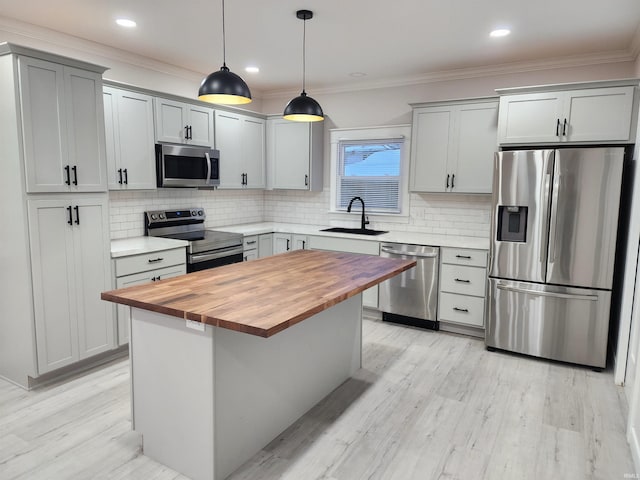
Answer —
185 170
584 217
520 214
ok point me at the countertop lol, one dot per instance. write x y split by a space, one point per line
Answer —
264 296
416 238
140 245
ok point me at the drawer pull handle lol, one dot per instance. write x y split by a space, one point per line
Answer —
464 310
462 280
251 242
155 260
467 257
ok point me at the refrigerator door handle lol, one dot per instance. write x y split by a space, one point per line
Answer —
591 298
544 200
553 224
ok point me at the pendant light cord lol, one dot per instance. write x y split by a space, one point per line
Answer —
304 50
224 45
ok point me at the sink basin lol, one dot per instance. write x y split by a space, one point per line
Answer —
357 231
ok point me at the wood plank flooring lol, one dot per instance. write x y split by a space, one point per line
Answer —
426 405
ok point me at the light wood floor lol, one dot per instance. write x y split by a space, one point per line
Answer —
426 405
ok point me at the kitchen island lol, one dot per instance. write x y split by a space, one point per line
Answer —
223 360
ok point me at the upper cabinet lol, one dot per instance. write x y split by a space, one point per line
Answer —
178 122
241 141
295 154
129 139
452 146
63 127
584 115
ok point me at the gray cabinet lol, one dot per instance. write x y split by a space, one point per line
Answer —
129 139
284 242
70 268
452 146
241 141
463 284
63 127
186 123
582 115
144 268
265 245
295 154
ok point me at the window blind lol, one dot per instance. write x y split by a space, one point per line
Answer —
370 169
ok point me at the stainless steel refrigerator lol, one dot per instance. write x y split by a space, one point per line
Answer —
554 226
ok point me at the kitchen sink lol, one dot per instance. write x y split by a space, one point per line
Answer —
357 231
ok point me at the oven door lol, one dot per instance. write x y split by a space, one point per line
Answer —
215 258
187 166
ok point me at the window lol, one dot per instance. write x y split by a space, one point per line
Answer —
370 163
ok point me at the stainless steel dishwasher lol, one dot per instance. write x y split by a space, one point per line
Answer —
411 298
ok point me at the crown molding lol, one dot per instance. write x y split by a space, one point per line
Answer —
472 72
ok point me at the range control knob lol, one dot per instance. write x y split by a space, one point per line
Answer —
162 216
200 212
193 213
153 216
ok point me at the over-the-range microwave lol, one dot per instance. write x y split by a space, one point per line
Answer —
187 166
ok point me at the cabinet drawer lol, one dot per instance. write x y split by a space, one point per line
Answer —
464 256
464 280
149 261
150 276
462 309
250 243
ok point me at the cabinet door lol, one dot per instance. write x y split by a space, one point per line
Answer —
431 145
598 114
281 242
253 151
112 142
134 165
250 255
289 154
530 118
300 242
229 141
91 248
200 120
476 141
265 245
171 121
85 130
54 283
43 123
123 311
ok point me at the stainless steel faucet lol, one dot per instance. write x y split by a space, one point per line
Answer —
364 221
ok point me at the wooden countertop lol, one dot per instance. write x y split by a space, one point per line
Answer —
263 297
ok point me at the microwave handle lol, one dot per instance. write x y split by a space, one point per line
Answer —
206 154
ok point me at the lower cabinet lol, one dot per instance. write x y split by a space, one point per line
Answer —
69 244
144 268
463 285
349 245
265 245
283 242
250 248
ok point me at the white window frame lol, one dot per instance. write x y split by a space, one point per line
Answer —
391 132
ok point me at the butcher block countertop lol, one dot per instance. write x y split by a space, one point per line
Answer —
263 297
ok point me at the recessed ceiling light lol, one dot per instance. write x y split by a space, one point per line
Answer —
252 69
500 32
125 22
357 74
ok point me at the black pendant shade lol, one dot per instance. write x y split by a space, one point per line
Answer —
303 108
224 87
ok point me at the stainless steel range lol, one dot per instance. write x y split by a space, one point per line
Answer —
207 248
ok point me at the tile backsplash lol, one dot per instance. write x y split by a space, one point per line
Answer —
448 214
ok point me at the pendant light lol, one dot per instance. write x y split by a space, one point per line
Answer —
303 108
224 86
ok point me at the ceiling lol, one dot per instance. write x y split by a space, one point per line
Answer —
387 41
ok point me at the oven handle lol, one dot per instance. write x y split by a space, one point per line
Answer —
206 154
223 252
